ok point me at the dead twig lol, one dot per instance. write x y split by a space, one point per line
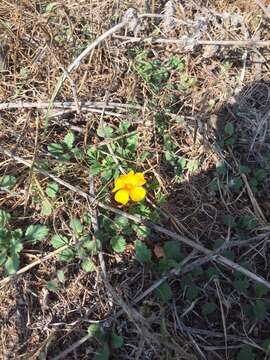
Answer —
184 43
74 346
70 105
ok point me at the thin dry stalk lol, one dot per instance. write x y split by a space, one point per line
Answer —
184 43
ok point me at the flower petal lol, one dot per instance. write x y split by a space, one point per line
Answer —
137 193
118 184
122 196
140 180
130 173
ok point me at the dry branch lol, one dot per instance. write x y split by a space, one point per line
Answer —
186 42
87 105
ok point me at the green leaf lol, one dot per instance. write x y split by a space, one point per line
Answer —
229 221
259 310
192 292
212 273
261 290
247 222
214 185
3 256
103 352
92 245
58 241
116 341
52 286
81 252
124 126
266 345
187 280
260 174
172 250
141 230
69 139
170 157
15 244
17 234
105 132
230 141
61 276
121 221
7 182
143 254
59 151
166 265
87 219
76 226
46 208
78 153
95 330
164 292
236 183
244 169
221 168
106 174
181 163
253 184
246 353
229 128
4 218
248 311
95 169
66 255
50 7
193 166
209 308
88 265
241 285
12 264
35 233
118 243
52 189
177 63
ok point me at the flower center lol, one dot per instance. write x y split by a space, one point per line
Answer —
128 186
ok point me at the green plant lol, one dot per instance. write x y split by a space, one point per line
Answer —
164 292
100 160
65 150
108 341
153 72
7 182
246 353
12 241
229 135
143 253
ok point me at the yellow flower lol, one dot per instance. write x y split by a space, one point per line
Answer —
129 186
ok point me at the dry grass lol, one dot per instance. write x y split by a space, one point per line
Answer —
232 85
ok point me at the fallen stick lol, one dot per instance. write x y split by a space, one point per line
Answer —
192 42
66 105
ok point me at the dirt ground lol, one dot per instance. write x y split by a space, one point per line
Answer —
200 111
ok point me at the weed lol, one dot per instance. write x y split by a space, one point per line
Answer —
12 241
108 341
